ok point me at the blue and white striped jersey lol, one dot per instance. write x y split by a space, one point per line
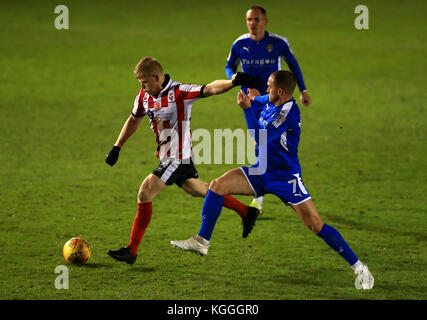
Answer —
279 153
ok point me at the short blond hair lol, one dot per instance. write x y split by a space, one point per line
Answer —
147 67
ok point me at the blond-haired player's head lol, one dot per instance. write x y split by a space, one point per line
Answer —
149 73
146 67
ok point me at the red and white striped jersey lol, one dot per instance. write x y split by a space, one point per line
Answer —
170 116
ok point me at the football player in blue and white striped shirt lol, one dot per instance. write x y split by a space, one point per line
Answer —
277 172
260 53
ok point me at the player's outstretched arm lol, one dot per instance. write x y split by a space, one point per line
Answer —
128 129
217 87
221 86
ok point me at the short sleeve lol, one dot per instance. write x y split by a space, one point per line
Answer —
138 106
191 91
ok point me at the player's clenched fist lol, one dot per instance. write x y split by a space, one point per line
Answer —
305 99
112 156
243 79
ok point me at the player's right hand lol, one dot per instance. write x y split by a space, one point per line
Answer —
112 156
243 100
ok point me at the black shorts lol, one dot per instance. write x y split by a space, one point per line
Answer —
176 171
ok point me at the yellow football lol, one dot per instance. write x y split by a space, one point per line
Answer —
76 251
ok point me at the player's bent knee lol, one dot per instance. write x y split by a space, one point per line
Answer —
315 226
215 186
144 195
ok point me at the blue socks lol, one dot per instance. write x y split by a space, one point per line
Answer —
334 239
211 210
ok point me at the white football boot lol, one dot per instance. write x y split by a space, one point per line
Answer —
364 279
192 245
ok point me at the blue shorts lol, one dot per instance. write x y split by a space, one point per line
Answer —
289 187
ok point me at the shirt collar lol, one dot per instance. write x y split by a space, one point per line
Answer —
166 84
266 35
281 106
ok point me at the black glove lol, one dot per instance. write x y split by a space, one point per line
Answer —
112 156
244 79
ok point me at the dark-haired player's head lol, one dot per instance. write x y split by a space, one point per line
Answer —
149 73
281 86
256 21
255 7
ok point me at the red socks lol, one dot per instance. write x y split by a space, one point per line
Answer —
143 218
140 224
234 204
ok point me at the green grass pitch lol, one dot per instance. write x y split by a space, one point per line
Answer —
65 94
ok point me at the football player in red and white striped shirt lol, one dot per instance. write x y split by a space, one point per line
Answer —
167 104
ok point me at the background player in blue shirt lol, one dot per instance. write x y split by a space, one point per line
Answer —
277 171
260 53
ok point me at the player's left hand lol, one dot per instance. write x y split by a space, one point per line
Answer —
305 99
252 93
243 79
